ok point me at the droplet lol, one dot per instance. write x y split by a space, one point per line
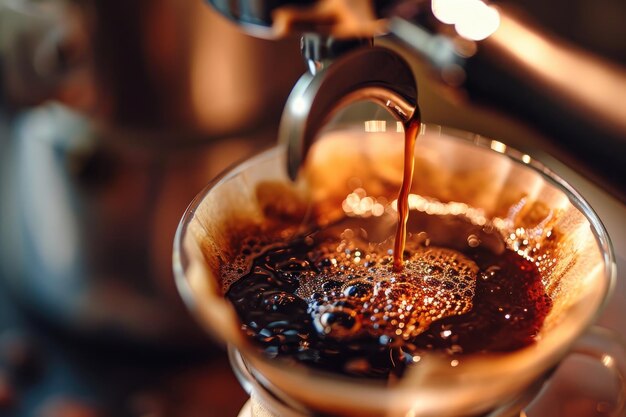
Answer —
338 323
357 289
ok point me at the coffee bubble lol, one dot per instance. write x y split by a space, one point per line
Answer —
331 300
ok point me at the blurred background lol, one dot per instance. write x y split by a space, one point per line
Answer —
115 114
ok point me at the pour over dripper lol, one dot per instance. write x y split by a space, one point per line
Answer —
451 166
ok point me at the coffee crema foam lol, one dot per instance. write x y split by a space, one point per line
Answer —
330 299
435 283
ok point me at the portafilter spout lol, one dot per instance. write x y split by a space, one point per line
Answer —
374 74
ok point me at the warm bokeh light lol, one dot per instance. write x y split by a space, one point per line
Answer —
472 19
359 204
451 11
374 126
435 207
479 22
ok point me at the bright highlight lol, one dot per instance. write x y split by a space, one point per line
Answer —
472 19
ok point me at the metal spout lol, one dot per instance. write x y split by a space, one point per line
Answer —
374 74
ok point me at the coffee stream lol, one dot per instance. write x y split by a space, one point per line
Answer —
411 131
340 299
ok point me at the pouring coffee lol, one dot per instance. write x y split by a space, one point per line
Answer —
490 54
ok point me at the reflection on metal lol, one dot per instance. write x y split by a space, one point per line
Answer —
368 74
586 82
498 146
608 361
374 126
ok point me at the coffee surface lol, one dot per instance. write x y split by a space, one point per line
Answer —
331 298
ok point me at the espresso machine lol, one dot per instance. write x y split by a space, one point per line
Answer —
114 114
481 53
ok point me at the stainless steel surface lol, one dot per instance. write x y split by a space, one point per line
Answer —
319 50
375 74
505 60
275 19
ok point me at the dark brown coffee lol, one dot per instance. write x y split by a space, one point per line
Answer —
411 131
332 300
